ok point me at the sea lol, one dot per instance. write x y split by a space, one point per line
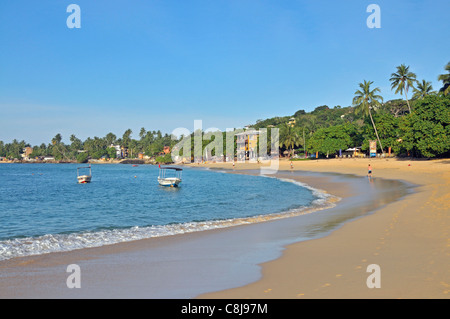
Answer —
43 209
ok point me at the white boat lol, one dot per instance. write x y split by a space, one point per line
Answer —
169 181
83 179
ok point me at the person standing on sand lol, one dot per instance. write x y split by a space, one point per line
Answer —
369 174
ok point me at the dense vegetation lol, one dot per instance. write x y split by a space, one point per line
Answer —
417 126
151 143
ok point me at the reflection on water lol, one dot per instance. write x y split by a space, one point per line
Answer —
369 194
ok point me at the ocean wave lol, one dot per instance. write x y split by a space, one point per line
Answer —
20 247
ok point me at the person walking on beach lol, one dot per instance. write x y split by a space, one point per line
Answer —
369 174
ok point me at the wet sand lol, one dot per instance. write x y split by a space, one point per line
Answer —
189 265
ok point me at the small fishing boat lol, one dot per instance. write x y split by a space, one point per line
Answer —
171 180
83 179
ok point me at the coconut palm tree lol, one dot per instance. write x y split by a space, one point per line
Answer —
310 122
423 89
290 137
366 100
126 137
142 132
57 139
110 138
402 81
445 78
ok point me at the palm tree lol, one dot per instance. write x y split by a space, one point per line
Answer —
402 80
310 123
110 138
423 89
445 78
126 137
57 139
75 143
142 133
290 137
58 146
365 100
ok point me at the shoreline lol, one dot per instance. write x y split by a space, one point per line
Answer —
408 239
142 249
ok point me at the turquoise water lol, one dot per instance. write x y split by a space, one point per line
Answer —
43 208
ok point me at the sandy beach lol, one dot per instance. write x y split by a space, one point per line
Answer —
405 234
408 239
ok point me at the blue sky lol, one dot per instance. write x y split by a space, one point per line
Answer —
161 64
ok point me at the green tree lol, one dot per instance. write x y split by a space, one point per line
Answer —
365 100
445 78
329 140
2 149
402 81
310 122
58 149
99 153
75 146
428 134
133 148
388 130
142 133
290 137
82 157
111 151
110 138
14 149
126 138
165 159
423 89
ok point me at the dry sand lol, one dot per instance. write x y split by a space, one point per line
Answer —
408 239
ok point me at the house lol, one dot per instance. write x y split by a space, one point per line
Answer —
118 150
26 152
247 145
353 152
291 122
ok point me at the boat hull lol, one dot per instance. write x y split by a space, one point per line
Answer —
169 182
84 179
